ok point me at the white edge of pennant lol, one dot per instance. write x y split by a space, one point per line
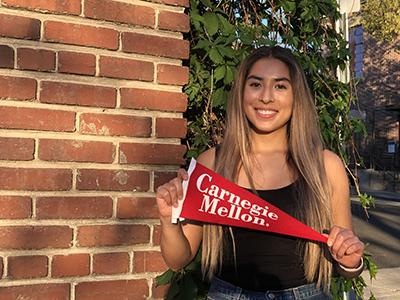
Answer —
176 211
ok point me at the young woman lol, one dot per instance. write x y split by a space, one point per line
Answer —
272 147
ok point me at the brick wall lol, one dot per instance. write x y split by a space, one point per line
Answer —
378 96
91 121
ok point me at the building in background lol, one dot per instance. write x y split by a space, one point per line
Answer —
375 68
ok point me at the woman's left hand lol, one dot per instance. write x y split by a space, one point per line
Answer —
345 247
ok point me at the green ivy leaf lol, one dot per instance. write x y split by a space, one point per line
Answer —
289 6
215 56
188 288
164 278
203 44
229 75
226 50
210 21
219 73
173 291
225 26
219 97
206 3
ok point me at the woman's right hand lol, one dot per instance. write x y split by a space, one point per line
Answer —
169 193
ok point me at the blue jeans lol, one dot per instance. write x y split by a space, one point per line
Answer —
221 290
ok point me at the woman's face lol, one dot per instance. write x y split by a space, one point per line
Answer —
268 96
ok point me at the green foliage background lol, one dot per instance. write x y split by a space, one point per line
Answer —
381 18
222 34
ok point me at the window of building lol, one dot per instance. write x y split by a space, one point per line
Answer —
356 48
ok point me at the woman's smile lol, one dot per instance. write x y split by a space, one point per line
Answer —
266 113
268 96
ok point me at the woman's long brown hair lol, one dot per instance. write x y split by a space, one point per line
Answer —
304 154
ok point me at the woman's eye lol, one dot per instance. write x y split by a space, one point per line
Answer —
281 86
255 84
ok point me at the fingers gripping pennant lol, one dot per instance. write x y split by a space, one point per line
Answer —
211 198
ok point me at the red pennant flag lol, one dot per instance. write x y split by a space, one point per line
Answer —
211 198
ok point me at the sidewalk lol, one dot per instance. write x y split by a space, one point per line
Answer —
382 195
386 285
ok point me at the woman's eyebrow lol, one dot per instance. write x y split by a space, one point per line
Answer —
275 79
254 77
282 79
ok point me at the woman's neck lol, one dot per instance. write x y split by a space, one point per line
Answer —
269 166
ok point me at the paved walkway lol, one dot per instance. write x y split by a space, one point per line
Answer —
381 195
387 283
386 286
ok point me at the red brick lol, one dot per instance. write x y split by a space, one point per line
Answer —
175 75
157 154
155 262
39 179
70 265
36 59
16 148
126 68
137 208
76 150
134 289
139 262
19 27
120 12
184 3
162 177
77 94
169 20
73 207
60 6
83 35
76 63
15 207
157 235
36 119
59 291
35 237
119 125
27 266
113 180
110 263
154 45
113 235
153 100
160 291
152 261
171 128
17 88
6 57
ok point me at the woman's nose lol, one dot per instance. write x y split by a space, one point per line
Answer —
266 95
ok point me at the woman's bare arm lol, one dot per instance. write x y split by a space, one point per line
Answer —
179 242
346 249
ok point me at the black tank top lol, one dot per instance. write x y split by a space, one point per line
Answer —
265 261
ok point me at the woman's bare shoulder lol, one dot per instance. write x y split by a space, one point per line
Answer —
332 160
207 158
334 168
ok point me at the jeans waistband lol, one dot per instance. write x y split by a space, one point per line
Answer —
234 292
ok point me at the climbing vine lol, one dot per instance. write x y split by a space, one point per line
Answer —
222 34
